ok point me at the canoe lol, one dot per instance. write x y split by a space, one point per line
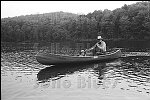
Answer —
57 59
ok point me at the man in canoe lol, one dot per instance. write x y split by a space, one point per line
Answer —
99 47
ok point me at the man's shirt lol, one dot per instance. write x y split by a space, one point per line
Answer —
102 45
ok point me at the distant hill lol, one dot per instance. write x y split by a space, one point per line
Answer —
36 27
40 17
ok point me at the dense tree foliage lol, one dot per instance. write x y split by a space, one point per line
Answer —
127 22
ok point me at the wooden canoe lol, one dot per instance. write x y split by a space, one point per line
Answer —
57 59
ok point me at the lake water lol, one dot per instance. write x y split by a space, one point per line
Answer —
23 78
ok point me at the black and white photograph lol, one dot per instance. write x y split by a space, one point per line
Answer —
75 50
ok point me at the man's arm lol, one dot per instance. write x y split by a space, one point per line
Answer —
99 46
91 48
102 46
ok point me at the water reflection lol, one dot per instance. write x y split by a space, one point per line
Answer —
125 74
60 71
100 74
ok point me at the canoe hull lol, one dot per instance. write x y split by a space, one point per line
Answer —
52 59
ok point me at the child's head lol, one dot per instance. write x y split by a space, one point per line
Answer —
82 52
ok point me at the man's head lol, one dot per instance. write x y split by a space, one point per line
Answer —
99 38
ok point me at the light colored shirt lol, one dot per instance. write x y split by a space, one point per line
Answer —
102 45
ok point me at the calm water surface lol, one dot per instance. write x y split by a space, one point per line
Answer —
23 78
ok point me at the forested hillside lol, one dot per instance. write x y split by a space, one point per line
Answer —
127 22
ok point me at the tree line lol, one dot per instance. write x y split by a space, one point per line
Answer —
128 22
